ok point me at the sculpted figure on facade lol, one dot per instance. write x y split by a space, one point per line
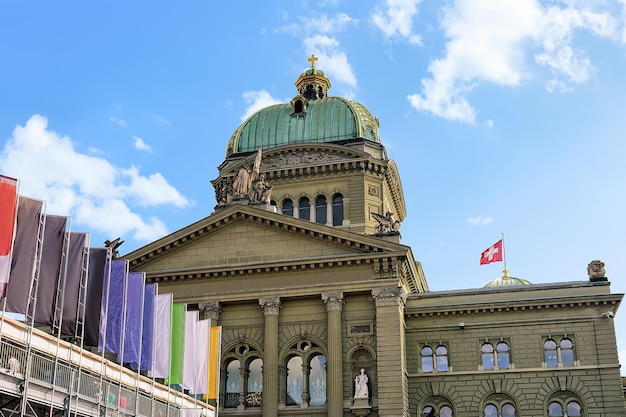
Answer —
386 224
596 271
360 385
262 191
246 175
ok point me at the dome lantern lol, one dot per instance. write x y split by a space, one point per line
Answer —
312 83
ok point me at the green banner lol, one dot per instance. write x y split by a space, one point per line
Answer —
178 343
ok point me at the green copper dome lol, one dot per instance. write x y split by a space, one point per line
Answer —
310 117
507 281
329 119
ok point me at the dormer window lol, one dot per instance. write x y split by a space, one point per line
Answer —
298 107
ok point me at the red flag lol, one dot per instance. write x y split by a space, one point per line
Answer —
8 204
492 254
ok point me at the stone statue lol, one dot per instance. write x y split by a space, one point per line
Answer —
360 385
243 180
596 271
386 224
262 191
113 245
242 183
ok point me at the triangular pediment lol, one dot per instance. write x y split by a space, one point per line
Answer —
240 238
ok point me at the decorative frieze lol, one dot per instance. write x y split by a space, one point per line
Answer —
333 301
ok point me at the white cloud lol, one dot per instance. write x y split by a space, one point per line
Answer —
256 100
141 145
90 189
397 19
333 60
118 121
488 123
480 221
160 120
488 42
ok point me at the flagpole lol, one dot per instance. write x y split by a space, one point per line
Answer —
505 271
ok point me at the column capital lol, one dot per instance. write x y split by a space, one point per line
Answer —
210 310
270 306
389 296
333 301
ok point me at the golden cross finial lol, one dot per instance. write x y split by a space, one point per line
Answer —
312 61
506 273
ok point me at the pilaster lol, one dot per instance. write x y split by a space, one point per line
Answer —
271 309
334 361
392 381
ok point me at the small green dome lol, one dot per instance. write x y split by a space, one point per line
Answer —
507 281
329 119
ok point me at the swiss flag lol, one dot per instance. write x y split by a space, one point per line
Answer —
492 254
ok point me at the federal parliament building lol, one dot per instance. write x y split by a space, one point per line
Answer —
325 312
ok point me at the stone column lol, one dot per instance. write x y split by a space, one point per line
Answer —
306 397
334 361
329 212
392 384
271 308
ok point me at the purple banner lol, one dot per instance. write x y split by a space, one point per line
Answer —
147 332
132 326
24 253
73 277
95 281
111 315
50 268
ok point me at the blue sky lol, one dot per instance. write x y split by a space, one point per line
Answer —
501 116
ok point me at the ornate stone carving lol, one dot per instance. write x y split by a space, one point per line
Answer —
262 191
596 271
297 158
210 310
333 301
389 296
270 306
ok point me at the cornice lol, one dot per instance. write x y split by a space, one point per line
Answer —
508 305
378 261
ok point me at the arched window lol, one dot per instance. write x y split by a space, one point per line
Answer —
337 210
288 207
561 354
436 406
438 359
565 404
498 358
427 359
244 377
504 359
320 209
441 354
255 383
550 351
294 381
306 375
499 410
567 352
233 383
309 92
487 356
304 209
317 380
297 108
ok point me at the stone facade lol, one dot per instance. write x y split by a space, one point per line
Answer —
307 297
